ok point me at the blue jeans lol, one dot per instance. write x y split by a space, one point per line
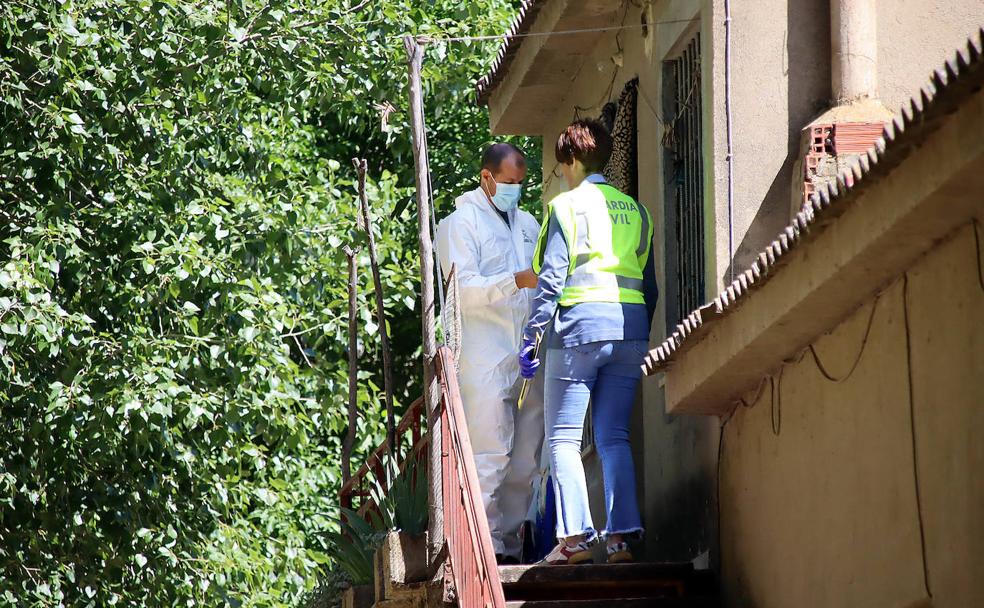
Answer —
606 373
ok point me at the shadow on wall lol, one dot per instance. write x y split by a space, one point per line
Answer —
685 524
807 71
679 512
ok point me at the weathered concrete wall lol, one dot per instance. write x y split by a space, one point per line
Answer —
915 37
819 503
780 79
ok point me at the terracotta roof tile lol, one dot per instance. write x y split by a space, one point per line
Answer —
528 11
947 88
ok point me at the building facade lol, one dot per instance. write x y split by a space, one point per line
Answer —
842 371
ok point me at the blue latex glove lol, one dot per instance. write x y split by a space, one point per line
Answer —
528 363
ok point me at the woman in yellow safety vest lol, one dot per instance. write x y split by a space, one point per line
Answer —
595 298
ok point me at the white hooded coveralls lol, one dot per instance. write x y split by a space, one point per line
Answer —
506 441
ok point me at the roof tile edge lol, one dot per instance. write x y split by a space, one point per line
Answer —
528 11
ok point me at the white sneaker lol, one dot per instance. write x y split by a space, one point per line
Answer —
563 554
619 553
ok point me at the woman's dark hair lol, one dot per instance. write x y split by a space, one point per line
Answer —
587 141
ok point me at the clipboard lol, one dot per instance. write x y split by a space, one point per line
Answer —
527 381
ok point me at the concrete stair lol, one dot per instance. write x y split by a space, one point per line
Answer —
635 602
660 585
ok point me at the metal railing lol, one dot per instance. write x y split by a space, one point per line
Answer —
411 443
473 573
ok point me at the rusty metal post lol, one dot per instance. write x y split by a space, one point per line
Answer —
415 59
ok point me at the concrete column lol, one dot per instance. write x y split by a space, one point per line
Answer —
835 139
854 38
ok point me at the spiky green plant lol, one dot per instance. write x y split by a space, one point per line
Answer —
353 545
403 507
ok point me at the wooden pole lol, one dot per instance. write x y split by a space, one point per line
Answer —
360 167
415 59
353 369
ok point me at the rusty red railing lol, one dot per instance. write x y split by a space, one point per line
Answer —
473 574
411 443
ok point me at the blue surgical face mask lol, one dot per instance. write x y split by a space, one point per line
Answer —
507 196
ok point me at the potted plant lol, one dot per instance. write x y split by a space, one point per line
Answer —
390 541
401 558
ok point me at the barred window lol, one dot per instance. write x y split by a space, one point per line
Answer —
684 178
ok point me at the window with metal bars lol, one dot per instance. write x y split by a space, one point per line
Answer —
683 171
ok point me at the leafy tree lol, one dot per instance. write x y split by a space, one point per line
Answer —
174 194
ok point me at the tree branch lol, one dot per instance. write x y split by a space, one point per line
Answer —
366 223
353 368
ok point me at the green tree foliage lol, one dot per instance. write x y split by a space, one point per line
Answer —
175 189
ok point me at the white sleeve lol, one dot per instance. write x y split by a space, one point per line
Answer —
458 245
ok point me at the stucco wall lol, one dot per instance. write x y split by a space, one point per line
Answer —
819 503
915 37
780 79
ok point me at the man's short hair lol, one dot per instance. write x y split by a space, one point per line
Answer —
587 141
496 153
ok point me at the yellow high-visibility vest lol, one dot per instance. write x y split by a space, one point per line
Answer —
608 237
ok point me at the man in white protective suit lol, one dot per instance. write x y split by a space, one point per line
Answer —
490 242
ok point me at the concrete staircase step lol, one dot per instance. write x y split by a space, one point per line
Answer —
539 575
676 602
589 584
